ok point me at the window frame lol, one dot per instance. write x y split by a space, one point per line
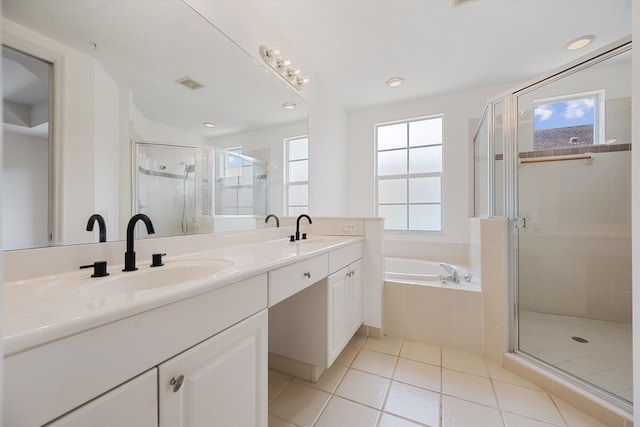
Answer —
408 175
287 183
598 112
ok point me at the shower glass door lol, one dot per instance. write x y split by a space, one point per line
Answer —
166 187
574 237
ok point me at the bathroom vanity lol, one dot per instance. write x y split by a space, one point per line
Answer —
182 354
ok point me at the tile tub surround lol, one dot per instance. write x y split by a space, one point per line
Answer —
394 382
435 315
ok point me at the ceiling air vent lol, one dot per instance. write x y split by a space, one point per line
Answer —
190 83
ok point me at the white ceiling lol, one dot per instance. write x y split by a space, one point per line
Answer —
354 46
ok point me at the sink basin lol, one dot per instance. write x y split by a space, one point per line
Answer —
172 273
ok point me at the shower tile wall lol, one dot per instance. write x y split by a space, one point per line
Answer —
578 238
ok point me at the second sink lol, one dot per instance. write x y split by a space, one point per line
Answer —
173 273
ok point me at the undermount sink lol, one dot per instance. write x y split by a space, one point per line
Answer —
172 273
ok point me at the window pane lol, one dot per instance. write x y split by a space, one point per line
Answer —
299 171
298 149
392 136
392 163
567 123
299 195
425 217
425 132
424 190
395 217
392 191
425 159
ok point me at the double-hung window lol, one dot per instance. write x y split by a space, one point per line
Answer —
409 174
296 177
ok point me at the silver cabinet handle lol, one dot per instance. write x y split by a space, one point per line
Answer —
176 382
307 275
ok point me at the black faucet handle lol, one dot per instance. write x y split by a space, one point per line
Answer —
157 260
99 268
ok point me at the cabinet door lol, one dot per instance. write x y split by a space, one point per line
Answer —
220 382
337 318
134 403
356 301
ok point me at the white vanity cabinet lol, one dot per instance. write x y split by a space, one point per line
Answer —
134 403
345 305
67 375
309 329
220 382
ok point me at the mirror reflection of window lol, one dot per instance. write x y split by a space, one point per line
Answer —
297 175
26 150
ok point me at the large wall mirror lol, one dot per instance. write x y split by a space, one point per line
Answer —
114 107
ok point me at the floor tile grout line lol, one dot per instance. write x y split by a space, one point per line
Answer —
495 394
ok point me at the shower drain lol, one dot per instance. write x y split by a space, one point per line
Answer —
580 339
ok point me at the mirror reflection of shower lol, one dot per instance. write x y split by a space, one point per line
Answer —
166 186
188 190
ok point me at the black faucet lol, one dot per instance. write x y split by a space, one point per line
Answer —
298 225
266 220
101 225
130 255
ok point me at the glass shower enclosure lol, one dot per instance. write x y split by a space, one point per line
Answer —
188 189
554 156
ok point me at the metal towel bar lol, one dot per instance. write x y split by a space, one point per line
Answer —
556 159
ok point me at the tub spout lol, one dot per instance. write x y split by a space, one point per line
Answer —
453 273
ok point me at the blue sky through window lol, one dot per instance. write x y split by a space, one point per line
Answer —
562 114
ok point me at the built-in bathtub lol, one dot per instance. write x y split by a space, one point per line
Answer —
428 273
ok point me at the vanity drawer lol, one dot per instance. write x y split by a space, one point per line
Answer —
289 280
344 256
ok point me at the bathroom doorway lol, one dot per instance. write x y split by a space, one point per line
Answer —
27 151
573 227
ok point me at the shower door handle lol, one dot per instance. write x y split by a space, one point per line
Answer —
520 223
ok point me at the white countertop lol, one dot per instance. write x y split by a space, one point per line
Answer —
44 309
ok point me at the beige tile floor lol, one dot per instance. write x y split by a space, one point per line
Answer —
396 383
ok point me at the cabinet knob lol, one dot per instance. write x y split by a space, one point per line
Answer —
307 275
176 382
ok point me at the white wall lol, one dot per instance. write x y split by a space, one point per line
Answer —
457 108
107 153
25 172
635 211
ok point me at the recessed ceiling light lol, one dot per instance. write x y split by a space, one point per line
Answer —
209 125
289 106
395 82
579 42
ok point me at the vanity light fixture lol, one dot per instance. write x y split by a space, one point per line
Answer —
579 43
395 82
209 125
273 58
289 106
